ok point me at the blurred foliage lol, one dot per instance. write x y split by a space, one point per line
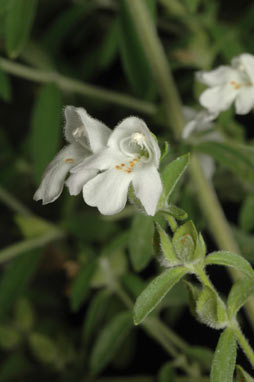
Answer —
63 303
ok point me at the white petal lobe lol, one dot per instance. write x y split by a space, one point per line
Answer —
148 187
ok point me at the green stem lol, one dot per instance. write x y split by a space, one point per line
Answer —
69 84
163 76
12 251
244 344
13 203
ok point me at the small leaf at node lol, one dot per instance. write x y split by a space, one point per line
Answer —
210 309
230 259
239 294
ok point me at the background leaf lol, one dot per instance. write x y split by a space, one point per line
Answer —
134 60
19 21
140 241
46 133
15 279
5 86
109 341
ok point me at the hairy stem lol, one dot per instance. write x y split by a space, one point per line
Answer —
243 342
159 64
72 85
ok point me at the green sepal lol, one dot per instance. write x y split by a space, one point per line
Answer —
171 176
194 293
176 212
165 150
166 247
242 375
200 250
211 309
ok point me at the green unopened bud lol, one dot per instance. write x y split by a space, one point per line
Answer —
211 309
184 248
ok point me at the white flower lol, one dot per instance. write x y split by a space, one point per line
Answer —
229 84
132 157
199 128
85 135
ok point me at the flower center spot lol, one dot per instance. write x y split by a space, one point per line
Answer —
69 160
235 85
127 167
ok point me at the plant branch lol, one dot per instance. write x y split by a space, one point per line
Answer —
12 251
159 64
72 85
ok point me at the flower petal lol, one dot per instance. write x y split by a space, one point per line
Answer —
148 187
53 179
93 134
130 126
108 191
103 160
245 62
219 76
218 98
245 100
76 181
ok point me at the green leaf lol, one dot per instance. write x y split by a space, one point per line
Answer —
245 242
238 158
140 241
223 364
133 283
167 247
230 259
32 226
44 348
109 341
210 309
94 315
239 294
5 86
46 133
80 287
201 354
13 367
166 373
135 63
194 293
24 315
155 291
171 176
242 375
108 49
246 219
10 338
19 21
15 279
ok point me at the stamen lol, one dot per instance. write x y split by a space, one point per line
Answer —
118 167
78 132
